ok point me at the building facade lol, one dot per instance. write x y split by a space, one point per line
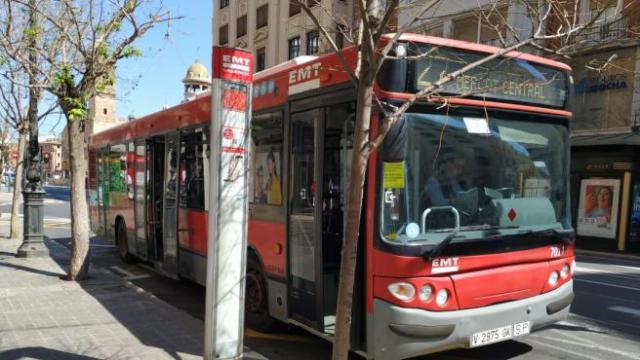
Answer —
606 130
277 31
51 153
462 20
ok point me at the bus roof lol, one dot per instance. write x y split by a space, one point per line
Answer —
469 46
273 87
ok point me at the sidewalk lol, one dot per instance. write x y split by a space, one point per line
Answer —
44 317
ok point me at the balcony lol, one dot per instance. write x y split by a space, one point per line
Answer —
607 33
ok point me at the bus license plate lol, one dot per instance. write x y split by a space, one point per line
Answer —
499 334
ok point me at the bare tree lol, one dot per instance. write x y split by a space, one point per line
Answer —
553 23
92 37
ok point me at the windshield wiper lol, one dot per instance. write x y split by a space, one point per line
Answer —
438 249
567 236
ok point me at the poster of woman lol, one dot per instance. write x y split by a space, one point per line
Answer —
598 209
266 184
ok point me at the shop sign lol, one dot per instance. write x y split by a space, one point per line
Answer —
602 83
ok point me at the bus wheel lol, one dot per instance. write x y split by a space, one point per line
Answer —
256 303
121 239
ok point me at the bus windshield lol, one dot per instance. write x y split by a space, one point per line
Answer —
479 176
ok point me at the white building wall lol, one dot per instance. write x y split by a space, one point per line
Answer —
441 19
281 27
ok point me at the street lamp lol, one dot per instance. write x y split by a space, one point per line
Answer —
33 195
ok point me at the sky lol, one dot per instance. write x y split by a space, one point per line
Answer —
144 85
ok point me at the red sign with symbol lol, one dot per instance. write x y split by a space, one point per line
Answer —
232 64
234 100
227 133
512 214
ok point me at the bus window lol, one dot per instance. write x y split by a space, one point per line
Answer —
266 159
192 171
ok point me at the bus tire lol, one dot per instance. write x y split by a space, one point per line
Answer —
256 304
121 240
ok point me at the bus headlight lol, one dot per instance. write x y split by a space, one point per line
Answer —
565 271
425 292
442 297
402 291
553 278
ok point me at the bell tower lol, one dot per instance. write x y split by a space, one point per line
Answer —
196 81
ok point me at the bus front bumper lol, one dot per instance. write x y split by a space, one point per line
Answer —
401 333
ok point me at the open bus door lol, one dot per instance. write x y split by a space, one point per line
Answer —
320 150
305 250
155 197
170 190
102 172
140 200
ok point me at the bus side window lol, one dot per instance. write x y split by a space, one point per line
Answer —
191 172
265 182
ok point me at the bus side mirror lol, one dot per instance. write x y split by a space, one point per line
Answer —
394 146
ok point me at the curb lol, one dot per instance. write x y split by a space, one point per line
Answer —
635 257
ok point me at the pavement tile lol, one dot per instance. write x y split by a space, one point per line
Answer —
44 317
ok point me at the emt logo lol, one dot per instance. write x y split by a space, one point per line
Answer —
444 265
304 78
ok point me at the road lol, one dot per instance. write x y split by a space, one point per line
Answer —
56 203
604 322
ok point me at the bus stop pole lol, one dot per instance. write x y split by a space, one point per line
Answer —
228 202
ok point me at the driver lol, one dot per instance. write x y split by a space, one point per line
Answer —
449 179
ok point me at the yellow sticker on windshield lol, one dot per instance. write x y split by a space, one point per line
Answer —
394 175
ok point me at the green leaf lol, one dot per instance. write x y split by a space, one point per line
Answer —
64 77
32 33
77 114
130 52
102 51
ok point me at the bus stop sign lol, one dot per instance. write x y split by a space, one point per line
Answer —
228 212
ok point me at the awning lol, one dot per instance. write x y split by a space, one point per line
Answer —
629 138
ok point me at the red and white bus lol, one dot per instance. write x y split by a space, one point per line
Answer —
465 239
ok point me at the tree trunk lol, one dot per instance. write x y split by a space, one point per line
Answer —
15 231
359 160
79 262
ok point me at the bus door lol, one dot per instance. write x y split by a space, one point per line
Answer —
170 229
305 250
336 147
102 186
140 200
155 196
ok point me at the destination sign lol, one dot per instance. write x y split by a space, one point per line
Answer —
501 79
